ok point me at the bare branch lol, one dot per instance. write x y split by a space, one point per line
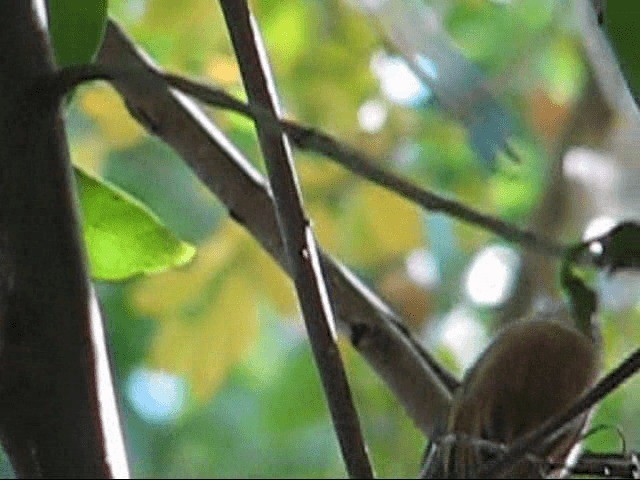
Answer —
307 138
298 238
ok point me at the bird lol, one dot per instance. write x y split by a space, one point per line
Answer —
533 370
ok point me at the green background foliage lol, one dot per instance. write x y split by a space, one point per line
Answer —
214 371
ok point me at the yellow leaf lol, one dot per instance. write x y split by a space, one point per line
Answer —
395 222
271 280
316 176
177 16
170 290
105 107
324 226
166 351
205 345
223 70
88 152
380 226
207 312
190 32
230 330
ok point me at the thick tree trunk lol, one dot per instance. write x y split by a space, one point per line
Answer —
53 394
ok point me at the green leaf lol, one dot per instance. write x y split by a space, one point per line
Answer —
76 28
123 237
582 299
622 24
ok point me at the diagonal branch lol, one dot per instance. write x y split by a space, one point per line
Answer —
420 383
298 239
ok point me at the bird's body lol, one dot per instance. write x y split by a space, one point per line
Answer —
532 371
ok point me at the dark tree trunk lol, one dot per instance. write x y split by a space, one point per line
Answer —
51 335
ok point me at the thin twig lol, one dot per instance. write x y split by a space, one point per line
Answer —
531 441
298 239
313 140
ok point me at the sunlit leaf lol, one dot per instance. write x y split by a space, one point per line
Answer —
380 226
123 238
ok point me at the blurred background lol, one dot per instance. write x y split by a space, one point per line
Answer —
215 374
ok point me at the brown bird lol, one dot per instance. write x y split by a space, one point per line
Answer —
532 371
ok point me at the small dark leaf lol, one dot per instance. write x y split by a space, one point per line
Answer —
583 300
76 28
620 22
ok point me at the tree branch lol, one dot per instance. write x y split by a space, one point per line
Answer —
313 140
58 412
298 238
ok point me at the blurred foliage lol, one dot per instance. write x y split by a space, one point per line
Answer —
199 307
227 323
620 410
